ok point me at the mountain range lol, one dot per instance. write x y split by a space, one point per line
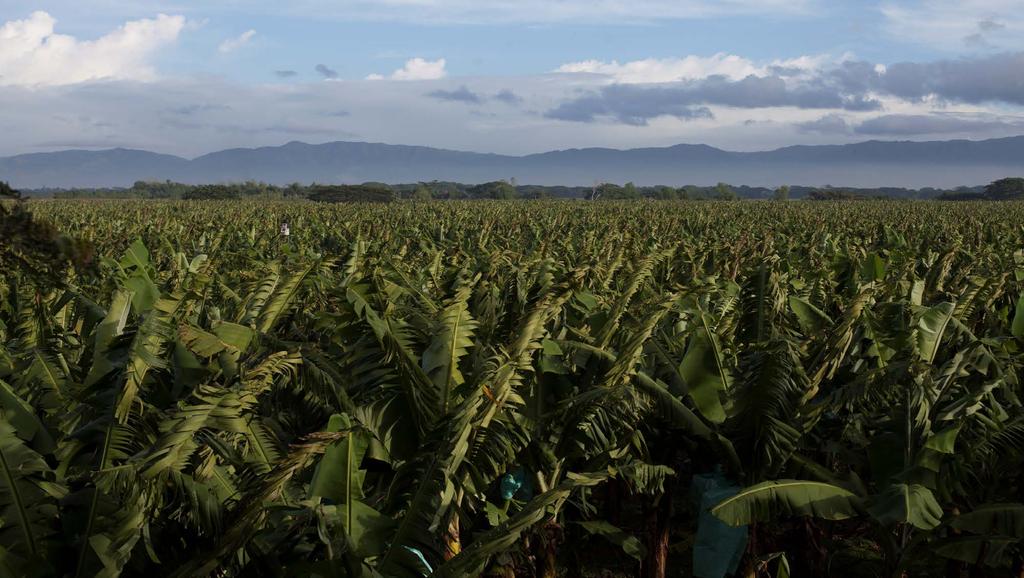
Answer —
940 164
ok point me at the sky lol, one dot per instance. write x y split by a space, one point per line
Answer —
187 77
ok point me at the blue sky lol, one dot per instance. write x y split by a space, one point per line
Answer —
474 44
185 77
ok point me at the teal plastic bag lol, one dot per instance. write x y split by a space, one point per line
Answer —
718 547
516 484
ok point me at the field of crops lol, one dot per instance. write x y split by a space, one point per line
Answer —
550 388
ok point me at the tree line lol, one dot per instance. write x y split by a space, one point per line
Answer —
1003 189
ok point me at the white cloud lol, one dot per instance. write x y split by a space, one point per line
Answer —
653 70
416 69
420 69
665 69
32 54
232 44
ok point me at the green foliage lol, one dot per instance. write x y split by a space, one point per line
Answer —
452 191
1007 189
422 193
214 401
611 192
212 192
629 544
494 190
724 192
34 246
6 192
775 499
911 504
704 372
663 193
369 193
833 195
29 494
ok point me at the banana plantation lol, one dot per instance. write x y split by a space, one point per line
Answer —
515 389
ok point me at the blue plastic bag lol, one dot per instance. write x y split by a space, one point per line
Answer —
718 547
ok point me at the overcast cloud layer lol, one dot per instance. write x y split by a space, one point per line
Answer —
138 83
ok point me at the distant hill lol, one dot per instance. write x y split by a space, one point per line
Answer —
941 164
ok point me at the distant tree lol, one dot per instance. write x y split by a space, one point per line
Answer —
629 191
446 190
458 193
611 192
693 192
724 192
963 194
1005 189
504 190
534 192
351 194
781 193
960 195
150 190
494 190
421 193
258 189
605 190
832 195
6 192
664 193
213 192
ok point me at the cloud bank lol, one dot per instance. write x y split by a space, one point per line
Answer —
32 53
58 90
416 69
635 96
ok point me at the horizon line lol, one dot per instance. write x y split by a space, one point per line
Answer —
571 149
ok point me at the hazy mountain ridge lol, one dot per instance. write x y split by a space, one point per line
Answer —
864 164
